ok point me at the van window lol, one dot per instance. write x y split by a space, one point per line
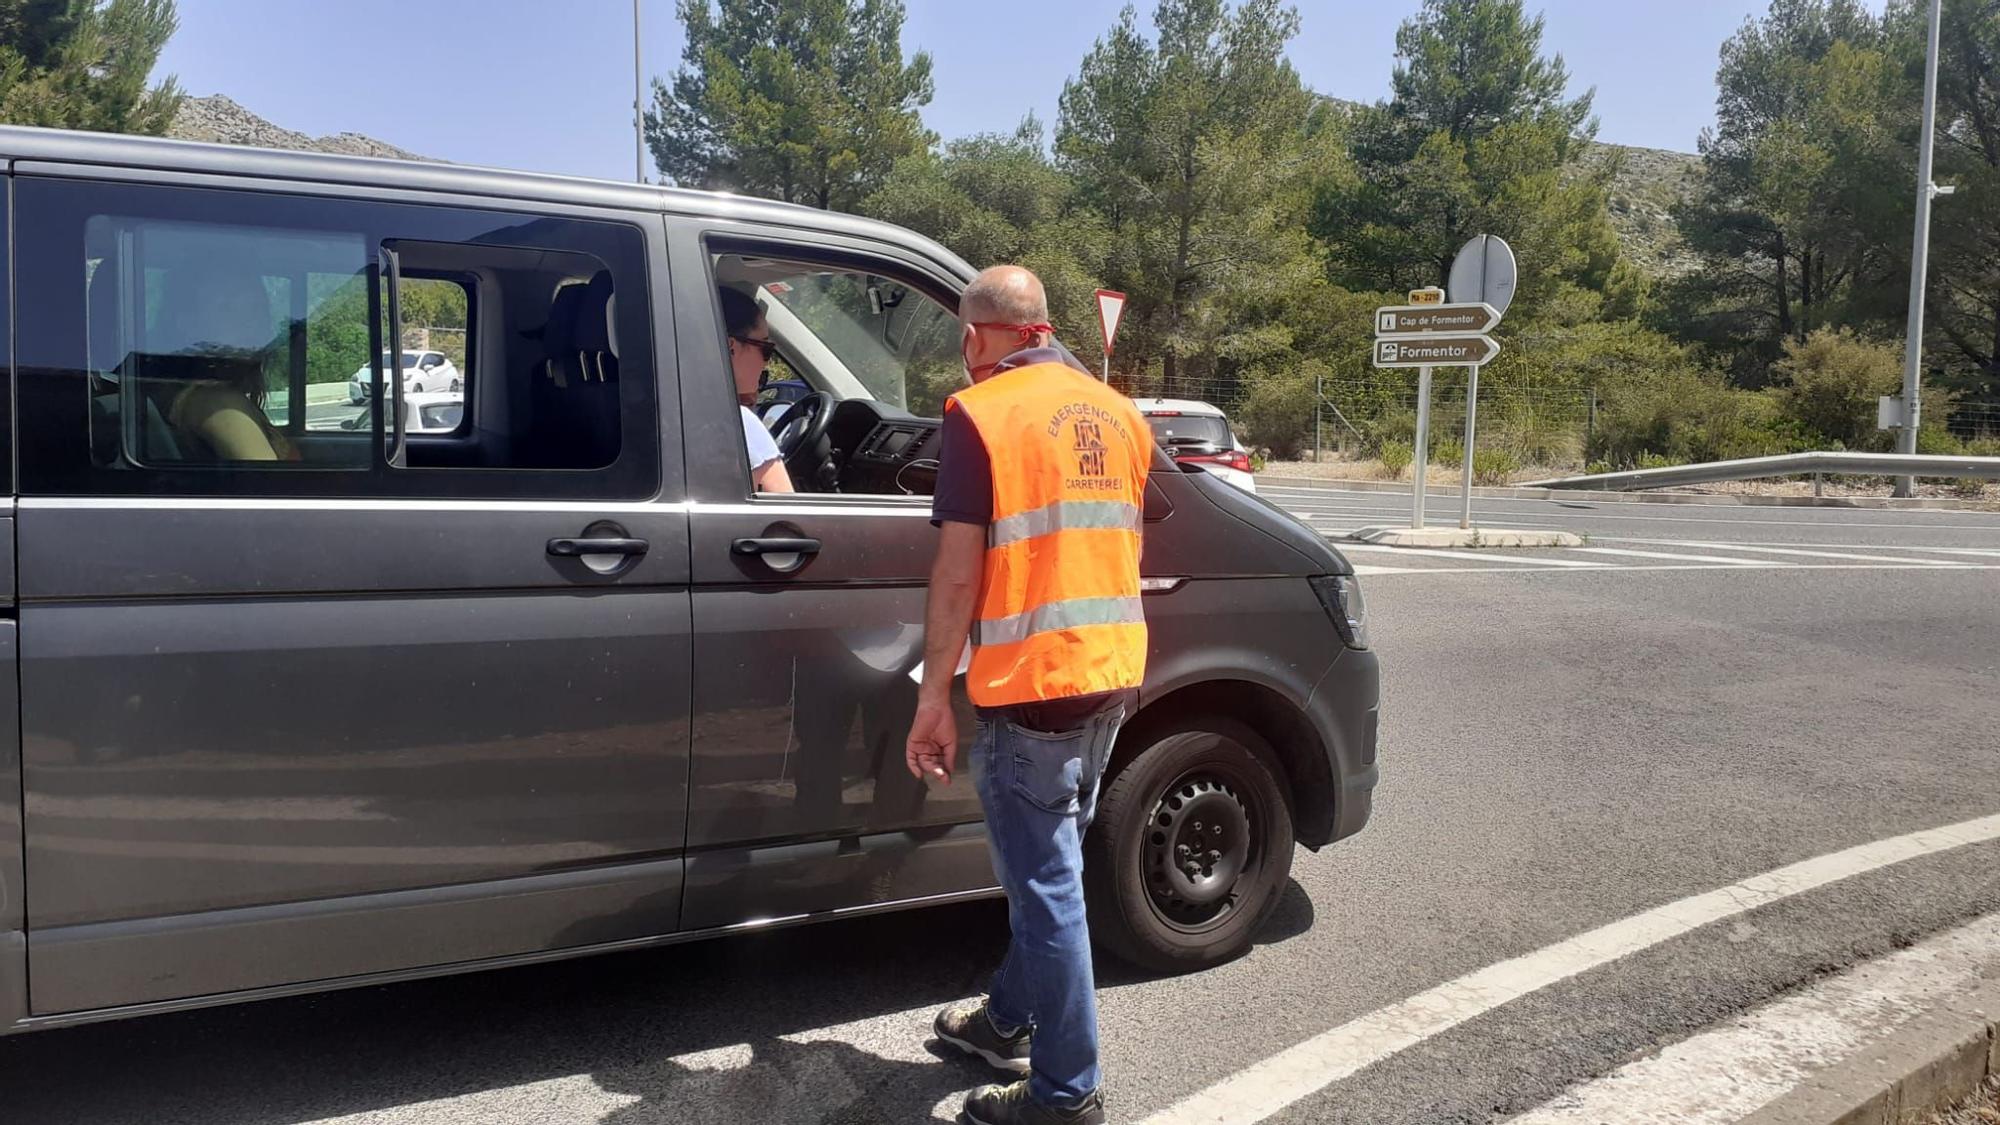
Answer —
193 339
202 337
852 333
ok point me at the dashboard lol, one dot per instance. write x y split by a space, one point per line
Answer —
877 450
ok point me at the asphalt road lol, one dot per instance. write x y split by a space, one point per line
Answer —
1564 746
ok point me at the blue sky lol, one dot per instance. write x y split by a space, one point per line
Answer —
531 84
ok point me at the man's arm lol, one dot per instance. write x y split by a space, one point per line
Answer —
961 556
932 751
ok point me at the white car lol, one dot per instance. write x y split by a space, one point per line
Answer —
423 372
1195 433
433 412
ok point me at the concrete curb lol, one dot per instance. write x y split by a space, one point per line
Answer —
1453 537
1938 1058
1513 493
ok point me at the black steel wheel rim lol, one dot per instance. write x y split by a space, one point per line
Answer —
1199 850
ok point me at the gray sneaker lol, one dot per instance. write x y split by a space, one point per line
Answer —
1011 1105
970 1029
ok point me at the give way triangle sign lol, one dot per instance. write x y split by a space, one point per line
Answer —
1110 306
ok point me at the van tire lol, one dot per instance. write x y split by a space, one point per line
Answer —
1138 854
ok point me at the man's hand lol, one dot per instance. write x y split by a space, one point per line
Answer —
932 751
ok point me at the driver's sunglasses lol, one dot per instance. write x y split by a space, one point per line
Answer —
767 348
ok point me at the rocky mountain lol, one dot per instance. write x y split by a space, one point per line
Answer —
216 118
1649 181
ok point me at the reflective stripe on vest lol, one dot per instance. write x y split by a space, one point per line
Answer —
1059 612
1072 614
1064 515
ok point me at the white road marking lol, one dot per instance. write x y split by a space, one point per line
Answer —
1727 568
1475 556
1267 1087
1677 557
1761 543
1724 1075
1363 570
1805 553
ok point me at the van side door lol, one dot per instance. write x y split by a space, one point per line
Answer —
13 882
315 691
799 800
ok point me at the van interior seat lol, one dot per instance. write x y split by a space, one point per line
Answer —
574 409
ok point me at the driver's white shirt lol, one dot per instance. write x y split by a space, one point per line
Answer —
757 441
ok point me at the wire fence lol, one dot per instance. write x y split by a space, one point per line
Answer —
1527 425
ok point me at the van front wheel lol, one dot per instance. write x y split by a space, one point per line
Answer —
1190 849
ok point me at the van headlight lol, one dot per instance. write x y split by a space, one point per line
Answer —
1340 595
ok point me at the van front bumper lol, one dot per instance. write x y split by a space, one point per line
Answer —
1345 710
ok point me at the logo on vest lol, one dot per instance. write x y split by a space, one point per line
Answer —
1087 424
1089 449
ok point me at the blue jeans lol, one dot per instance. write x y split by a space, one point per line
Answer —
1039 790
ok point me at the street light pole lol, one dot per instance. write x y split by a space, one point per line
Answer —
1920 252
638 113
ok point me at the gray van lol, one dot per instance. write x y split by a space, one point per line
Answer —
308 699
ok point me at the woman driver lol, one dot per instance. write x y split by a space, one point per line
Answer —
749 350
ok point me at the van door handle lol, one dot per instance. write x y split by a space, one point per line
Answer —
577 548
777 545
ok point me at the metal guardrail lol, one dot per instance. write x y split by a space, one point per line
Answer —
1785 465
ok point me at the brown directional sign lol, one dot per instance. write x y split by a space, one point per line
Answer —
1434 351
1459 320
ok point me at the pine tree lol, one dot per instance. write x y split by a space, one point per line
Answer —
1798 214
808 101
84 64
1479 136
1199 151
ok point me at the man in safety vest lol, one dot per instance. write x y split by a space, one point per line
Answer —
1041 480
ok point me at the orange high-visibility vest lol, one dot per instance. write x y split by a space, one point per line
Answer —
1059 612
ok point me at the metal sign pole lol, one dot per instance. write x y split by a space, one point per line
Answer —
1471 413
1420 457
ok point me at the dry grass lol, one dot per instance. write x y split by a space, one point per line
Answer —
1982 1108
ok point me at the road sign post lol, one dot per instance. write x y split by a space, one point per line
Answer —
1110 306
1484 273
1465 481
1420 456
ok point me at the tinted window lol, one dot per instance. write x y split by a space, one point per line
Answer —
201 342
1190 429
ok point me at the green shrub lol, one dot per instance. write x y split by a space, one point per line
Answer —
1651 460
1540 438
1397 425
1936 441
1829 384
1450 453
1596 467
1681 415
1980 447
1277 412
1494 466
1395 457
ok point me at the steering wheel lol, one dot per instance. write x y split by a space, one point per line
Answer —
802 425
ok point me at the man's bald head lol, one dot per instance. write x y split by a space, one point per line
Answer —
1000 297
1004 295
